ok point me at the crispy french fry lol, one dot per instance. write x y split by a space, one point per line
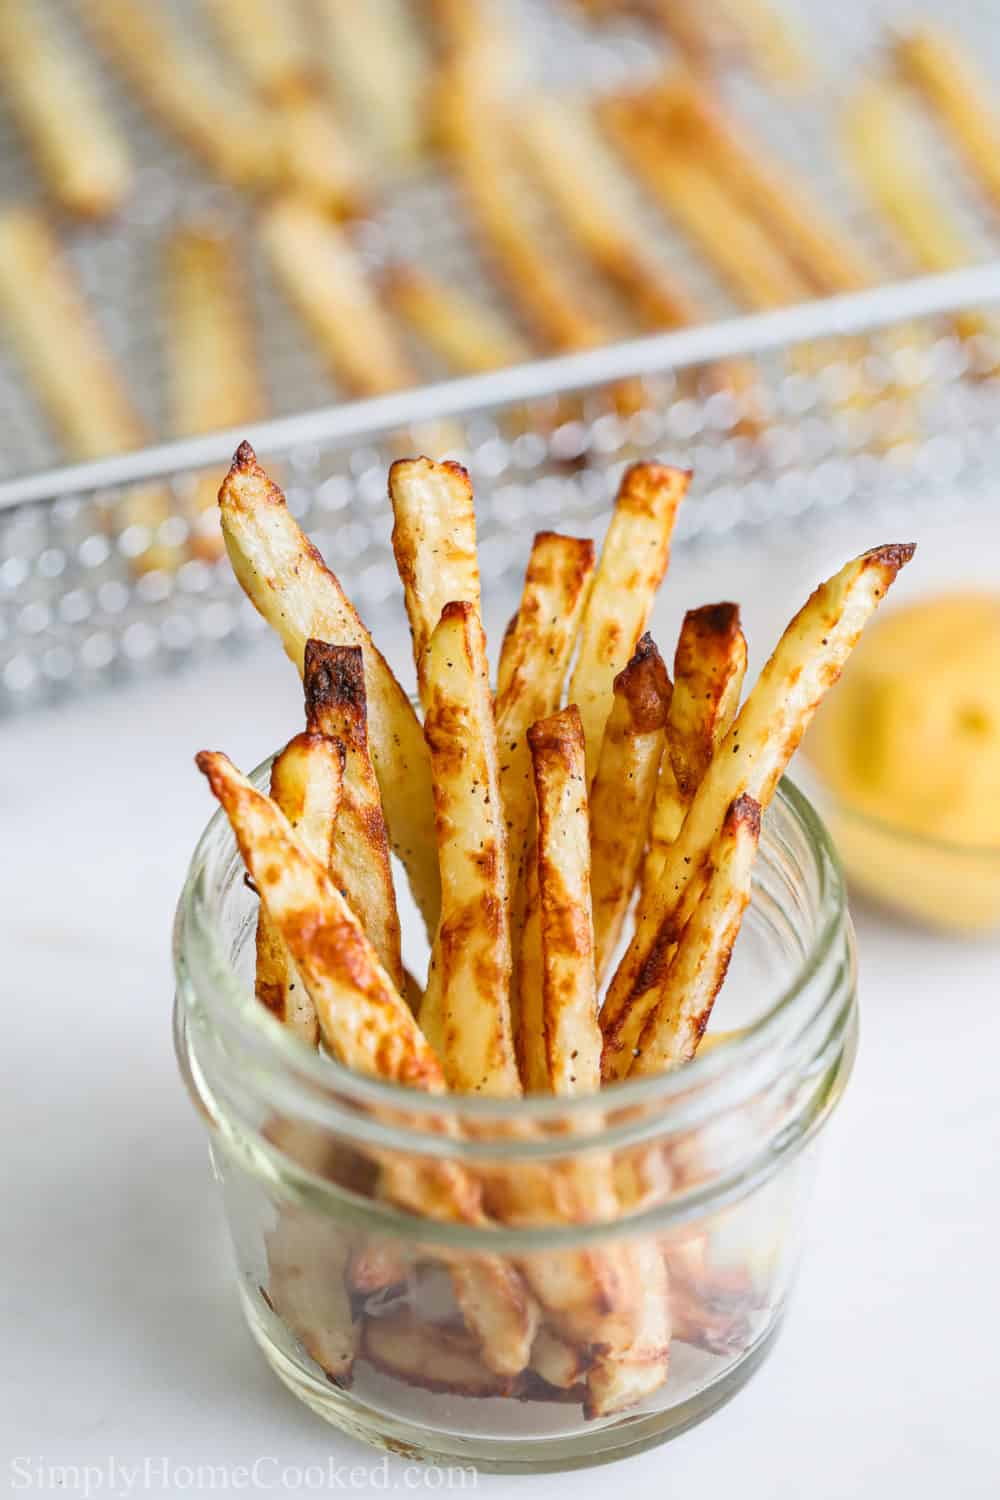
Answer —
72 370
822 251
434 543
307 1290
935 63
685 992
559 1363
81 153
470 971
757 271
633 561
616 1383
709 668
622 794
751 759
307 784
336 705
212 369
432 1356
175 80
326 282
288 582
469 336
369 1027
572 1036
887 158
376 62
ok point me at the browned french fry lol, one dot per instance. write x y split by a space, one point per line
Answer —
633 561
685 991
434 543
82 155
949 81
468 335
429 1355
559 1363
369 1027
822 251
326 282
887 158
622 794
288 582
375 60
571 1035
307 784
709 667
212 370
306 1261
469 978
336 705
751 759
616 1383
175 80
72 370
743 254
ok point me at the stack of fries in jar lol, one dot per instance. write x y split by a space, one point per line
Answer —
539 838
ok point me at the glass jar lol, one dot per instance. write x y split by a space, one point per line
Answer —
631 1264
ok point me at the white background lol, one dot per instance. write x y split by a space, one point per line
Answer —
123 1338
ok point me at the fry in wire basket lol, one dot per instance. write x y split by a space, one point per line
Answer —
467 334
374 58
81 153
936 65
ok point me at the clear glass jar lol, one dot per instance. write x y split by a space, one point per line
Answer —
356 1302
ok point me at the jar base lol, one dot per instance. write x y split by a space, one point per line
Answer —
602 1443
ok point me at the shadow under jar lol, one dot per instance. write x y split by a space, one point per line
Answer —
633 1261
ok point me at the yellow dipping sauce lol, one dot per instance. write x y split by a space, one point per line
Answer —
909 746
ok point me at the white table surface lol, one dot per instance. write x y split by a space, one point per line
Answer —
123 1339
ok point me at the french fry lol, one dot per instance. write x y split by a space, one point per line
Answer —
633 561
370 1029
559 1363
934 62
622 794
375 1266
266 40
470 971
709 668
71 369
686 991
376 63
571 1035
616 1383
306 1260
307 784
287 581
751 759
212 369
469 336
432 1356
773 46
434 543
326 282
174 79
336 705
81 154
759 274
822 251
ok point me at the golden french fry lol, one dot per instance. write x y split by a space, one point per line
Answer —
265 38
470 970
434 543
375 60
72 371
306 1260
505 662
559 1363
469 336
888 161
822 251
369 1027
287 581
616 1383
175 80
759 273
571 1035
81 154
934 62
326 282
633 561
213 375
336 706
622 794
751 759
307 781
431 1356
685 990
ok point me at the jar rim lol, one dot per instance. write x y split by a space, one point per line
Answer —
229 1004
